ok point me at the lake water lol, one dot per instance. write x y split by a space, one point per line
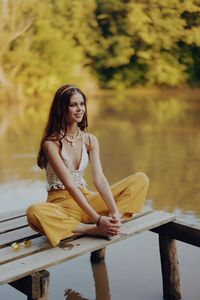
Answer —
158 134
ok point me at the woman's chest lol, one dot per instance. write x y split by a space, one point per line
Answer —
73 154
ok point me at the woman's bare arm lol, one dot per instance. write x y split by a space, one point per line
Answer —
99 178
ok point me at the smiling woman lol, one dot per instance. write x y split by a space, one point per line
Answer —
76 109
65 151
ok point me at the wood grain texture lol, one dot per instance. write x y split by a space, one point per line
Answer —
98 256
38 244
13 224
24 266
181 231
16 235
34 286
9 215
170 268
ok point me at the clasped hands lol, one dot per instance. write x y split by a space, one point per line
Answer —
110 225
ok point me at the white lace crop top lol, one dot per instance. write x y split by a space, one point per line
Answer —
54 183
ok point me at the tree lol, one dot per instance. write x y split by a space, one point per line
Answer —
142 41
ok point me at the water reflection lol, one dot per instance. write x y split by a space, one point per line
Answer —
101 281
73 295
158 134
102 290
171 160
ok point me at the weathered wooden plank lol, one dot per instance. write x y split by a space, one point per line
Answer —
13 224
5 216
16 235
42 260
41 243
38 244
181 231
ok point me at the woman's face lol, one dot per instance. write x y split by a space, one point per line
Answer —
76 109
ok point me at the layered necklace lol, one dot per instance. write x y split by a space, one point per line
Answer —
73 138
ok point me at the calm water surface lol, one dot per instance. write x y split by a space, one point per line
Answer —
158 135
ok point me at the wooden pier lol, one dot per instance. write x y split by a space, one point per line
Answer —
26 271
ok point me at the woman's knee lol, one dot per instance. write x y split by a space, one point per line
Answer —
33 211
141 178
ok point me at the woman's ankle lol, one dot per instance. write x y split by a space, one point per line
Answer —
88 229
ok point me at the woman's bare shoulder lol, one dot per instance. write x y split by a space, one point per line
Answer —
50 144
89 139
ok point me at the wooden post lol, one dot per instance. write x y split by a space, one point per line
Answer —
35 286
98 255
44 285
170 268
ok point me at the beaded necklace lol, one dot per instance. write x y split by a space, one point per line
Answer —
73 138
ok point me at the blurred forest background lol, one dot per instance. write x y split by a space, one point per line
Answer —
97 43
115 45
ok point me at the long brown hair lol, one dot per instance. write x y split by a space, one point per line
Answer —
56 127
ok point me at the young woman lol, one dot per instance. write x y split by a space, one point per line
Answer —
65 151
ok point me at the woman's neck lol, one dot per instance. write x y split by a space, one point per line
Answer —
72 128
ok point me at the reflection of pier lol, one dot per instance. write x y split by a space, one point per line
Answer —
24 269
102 291
100 276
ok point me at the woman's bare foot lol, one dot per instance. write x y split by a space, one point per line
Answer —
89 229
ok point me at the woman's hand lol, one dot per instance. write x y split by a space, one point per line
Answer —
109 226
116 216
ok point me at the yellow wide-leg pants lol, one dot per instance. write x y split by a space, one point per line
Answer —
60 214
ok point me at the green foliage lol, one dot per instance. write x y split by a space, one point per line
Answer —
45 53
113 44
152 34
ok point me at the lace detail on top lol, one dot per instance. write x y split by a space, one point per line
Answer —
54 183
